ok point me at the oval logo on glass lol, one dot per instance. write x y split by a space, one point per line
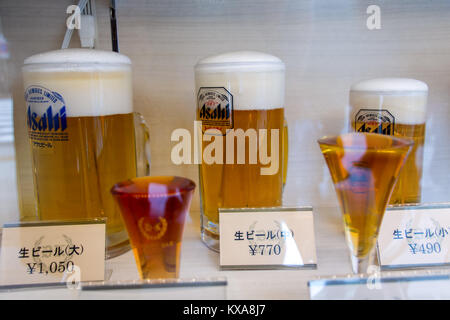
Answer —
152 231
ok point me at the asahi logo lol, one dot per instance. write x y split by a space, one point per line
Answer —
216 112
215 109
46 117
46 110
375 121
47 121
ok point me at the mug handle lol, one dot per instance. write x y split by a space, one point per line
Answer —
142 140
285 151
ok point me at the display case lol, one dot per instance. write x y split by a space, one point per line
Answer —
303 68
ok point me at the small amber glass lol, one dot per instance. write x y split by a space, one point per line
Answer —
154 211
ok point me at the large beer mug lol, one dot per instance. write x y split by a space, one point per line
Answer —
84 136
396 107
240 104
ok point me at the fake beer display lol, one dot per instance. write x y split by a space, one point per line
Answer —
364 168
395 107
82 134
154 210
240 103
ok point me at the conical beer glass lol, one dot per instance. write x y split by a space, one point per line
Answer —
154 210
364 168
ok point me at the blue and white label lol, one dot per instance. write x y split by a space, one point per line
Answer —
46 117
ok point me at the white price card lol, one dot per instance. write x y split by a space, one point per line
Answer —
415 236
267 238
51 253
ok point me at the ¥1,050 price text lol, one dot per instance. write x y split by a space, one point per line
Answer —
50 259
52 268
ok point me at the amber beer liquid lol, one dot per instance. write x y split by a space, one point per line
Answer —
81 132
395 107
364 168
240 91
221 179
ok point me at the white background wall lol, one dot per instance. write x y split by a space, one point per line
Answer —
326 46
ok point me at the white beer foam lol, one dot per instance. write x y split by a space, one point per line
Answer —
256 80
78 56
405 99
91 82
390 85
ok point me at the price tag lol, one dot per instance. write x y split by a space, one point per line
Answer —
43 253
415 236
267 238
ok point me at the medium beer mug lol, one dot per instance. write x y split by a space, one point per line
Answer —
240 108
84 136
395 107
